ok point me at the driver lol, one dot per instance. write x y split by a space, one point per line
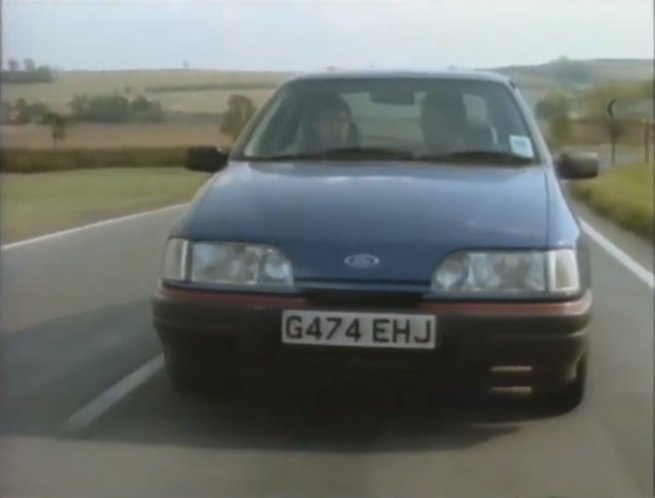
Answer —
327 124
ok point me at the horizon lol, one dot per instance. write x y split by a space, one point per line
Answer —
274 71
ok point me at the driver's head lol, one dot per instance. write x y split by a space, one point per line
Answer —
442 122
327 123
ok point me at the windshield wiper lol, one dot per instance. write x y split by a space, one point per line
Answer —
342 153
479 156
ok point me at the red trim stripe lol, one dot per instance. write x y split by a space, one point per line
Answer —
566 308
234 298
579 306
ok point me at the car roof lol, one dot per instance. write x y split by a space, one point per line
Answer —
451 73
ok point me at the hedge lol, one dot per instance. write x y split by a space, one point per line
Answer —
15 160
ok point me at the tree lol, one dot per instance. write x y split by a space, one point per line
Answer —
24 112
14 65
570 71
29 64
115 108
21 115
556 109
79 105
42 74
553 105
239 110
57 125
20 105
560 128
106 108
140 104
146 111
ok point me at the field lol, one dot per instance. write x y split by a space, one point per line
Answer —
214 101
47 202
69 83
183 128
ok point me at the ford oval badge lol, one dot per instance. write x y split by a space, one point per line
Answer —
362 261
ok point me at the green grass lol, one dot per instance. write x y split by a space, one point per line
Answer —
624 194
38 204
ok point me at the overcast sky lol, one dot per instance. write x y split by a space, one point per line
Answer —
312 34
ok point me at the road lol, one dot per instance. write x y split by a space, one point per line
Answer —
76 321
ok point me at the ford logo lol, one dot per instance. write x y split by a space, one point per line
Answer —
362 261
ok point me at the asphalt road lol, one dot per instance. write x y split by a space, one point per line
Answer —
75 316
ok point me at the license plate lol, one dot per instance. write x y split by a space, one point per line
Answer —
367 330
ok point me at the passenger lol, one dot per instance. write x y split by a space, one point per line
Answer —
443 124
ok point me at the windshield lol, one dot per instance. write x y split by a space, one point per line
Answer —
394 118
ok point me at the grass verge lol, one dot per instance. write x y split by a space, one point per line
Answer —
623 194
34 205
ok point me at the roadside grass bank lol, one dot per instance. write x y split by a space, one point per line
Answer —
33 205
624 195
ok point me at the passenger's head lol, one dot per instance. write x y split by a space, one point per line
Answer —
327 123
443 122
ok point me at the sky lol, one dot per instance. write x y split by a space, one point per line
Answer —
313 34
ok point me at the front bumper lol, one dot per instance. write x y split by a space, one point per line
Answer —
243 331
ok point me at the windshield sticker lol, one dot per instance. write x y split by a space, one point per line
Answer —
521 145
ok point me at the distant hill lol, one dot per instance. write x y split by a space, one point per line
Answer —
572 76
582 72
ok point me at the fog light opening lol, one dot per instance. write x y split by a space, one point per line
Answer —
511 380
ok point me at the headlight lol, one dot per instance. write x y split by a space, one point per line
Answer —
175 260
508 272
230 264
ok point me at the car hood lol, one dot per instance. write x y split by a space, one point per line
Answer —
409 215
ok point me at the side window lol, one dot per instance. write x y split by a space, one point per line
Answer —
278 129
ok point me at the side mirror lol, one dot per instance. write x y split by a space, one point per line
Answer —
205 158
577 165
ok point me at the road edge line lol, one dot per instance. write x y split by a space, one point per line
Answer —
621 256
90 412
71 231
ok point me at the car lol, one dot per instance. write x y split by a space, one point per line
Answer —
390 225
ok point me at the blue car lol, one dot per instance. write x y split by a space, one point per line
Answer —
395 225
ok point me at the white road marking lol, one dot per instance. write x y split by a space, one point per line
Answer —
90 226
637 270
108 398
